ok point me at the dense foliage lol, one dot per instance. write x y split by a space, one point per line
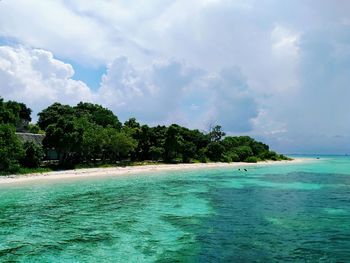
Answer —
14 113
89 134
86 133
11 150
33 155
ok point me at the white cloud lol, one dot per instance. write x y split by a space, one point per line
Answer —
150 93
165 92
33 76
285 42
54 26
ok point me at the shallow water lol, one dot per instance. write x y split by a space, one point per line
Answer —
294 212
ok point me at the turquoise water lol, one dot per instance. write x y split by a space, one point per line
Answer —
294 212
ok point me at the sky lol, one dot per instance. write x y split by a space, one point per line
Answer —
275 70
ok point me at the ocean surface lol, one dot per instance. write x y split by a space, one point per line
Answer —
279 213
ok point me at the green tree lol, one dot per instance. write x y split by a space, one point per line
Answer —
201 155
132 123
251 159
188 151
15 113
53 113
93 142
215 151
230 143
11 149
117 145
173 143
156 153
259 148
199 139
157 136
143 138
97 114
33 128
33 156
66 138
6 116
243 152
216 133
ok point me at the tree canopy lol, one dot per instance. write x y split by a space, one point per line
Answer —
14 113
11 149
89 134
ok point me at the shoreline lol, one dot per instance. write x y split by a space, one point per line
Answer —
131 170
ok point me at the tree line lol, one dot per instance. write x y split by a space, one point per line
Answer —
89 134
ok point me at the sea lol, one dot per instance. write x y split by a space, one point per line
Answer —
297 212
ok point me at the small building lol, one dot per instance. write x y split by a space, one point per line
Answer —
31 137
51 154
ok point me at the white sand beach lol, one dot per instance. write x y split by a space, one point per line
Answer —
129 170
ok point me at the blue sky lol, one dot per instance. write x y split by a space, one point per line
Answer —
90 75
275 70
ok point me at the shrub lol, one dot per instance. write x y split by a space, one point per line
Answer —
226 158
201 155
283 157
11 149
251 159
33 156
230 157
156 153
243 152
234 157
33 128
215 151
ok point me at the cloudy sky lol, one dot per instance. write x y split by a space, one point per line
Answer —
276 70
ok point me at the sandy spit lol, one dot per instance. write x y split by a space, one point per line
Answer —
129 170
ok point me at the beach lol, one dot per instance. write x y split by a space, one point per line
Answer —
130 170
